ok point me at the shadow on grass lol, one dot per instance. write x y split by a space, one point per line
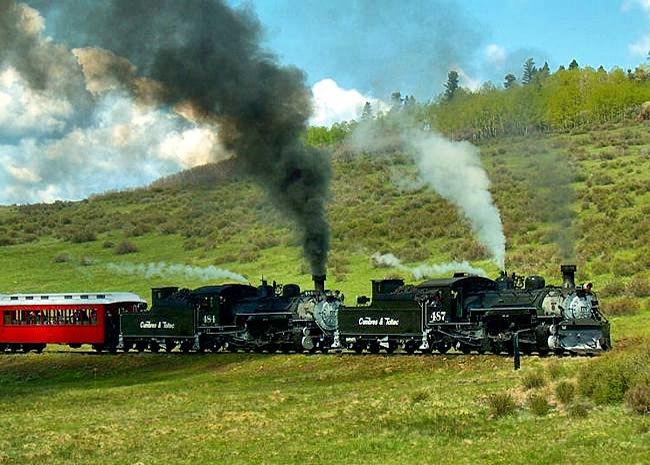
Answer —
29 372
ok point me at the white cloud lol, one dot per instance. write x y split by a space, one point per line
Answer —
24 111
495 55
630 4
125 145
333 103
641 47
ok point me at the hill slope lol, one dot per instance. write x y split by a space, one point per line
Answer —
595 181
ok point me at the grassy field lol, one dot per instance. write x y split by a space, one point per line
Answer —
239 408
63 407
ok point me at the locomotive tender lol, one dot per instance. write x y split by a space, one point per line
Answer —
466 313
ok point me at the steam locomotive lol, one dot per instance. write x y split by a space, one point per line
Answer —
472 313
467 313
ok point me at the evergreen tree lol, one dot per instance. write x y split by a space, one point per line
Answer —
509 81
451 86
529 71
544 72
573 64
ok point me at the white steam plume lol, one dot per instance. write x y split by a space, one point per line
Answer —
161 269
452 169
423 271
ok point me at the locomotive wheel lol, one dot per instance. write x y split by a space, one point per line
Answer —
497 347
169 345
154 346
410 346
358 347
2 347
466 349
392 345
443 346
272 348
186 346
126 346
140 346
373 347
98 347
286 348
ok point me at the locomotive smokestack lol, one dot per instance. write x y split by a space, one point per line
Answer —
319 282
568 276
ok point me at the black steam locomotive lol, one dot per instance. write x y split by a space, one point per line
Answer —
466 313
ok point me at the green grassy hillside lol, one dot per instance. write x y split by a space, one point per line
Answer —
587 190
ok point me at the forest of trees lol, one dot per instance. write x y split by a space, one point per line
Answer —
540 101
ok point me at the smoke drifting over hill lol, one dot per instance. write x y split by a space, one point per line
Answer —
425 271
202 63
167 270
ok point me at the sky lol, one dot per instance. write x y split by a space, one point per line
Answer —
377 47
59 142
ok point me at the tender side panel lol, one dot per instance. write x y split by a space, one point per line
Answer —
158 324
368 321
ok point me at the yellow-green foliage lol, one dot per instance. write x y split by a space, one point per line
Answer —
501 404
533 379
538 403
607 379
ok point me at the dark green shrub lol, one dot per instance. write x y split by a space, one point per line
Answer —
621 306
62 258
565 392
638 398
638 287
108 244
607 379
612 288
420 396
538 404
579 409
125 247
533 379
501 404
82 235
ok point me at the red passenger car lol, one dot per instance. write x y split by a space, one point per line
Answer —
30 321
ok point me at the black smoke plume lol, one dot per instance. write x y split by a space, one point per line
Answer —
205 53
